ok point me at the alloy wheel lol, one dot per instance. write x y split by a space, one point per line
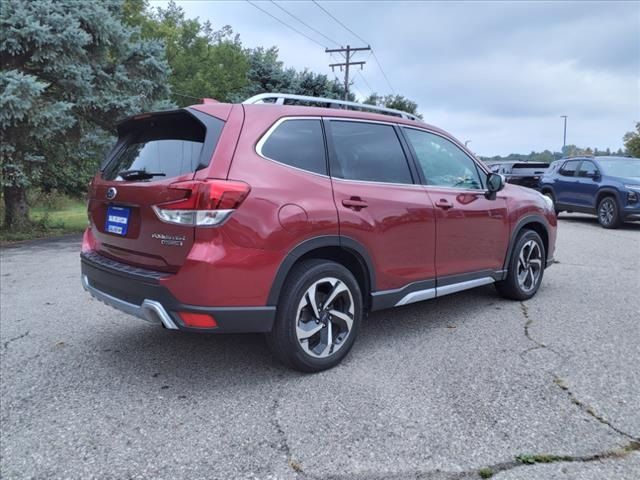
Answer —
529 266
324 317
606 212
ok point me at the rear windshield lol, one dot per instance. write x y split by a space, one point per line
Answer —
163 146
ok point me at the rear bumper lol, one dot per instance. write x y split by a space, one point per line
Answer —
138 292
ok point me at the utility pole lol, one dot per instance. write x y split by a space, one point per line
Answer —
564 140
347 52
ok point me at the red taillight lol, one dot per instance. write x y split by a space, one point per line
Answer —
206 203
198 320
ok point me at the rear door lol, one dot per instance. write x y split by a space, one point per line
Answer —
586 184
565 183
153 153
379 204
472 231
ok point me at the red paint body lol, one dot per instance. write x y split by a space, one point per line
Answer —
405 232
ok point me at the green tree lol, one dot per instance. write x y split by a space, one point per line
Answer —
632 142
69 70
397 102
267 74
204 62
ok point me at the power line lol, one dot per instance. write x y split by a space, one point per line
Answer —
284 23
173 92
343 25
304 23
375 57
365 81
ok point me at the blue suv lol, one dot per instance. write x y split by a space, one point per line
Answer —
608 187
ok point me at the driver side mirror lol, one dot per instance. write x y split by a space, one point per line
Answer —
495 183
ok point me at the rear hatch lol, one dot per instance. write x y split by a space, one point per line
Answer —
152 164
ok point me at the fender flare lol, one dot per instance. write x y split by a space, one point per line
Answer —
523 222
350 245
606 191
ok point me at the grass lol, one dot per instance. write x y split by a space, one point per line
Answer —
541 458
66 216
485 472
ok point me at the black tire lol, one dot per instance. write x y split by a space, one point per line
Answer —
609 213
549 193
283 339
512 287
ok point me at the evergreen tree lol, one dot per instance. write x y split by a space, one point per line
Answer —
70 70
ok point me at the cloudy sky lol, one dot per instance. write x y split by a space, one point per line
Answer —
499 74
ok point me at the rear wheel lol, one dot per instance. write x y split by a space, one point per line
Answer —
526 268
318 316
608 213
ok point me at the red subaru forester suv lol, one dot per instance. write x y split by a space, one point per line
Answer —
297 220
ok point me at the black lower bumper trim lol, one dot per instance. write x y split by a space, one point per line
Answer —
134 289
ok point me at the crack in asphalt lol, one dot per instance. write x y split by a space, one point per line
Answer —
559 382
6 344
283 445
518 462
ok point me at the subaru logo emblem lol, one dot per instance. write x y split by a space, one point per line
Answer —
111 193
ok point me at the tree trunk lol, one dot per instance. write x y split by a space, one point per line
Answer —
16 211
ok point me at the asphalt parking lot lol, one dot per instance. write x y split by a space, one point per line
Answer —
437 390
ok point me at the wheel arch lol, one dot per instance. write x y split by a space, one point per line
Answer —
343 250
538 224
605 192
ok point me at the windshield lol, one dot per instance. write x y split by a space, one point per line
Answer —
621 167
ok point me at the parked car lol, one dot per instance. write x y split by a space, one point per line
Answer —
608 187
526 174
297 221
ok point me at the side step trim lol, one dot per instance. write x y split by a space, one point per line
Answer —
430 293
459 287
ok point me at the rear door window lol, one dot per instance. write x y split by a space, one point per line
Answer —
368 152
163 146
587 169
298 143
569 168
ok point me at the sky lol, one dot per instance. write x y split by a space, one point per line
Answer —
496 74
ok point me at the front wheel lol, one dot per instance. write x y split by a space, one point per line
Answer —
318 316
608 213
526 268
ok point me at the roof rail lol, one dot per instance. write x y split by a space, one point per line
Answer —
279 99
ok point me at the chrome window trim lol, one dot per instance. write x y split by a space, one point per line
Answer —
269 132
482 191
416 186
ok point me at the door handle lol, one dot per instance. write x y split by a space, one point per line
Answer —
444 204
355 203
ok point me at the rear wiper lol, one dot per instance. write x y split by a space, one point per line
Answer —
139 174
